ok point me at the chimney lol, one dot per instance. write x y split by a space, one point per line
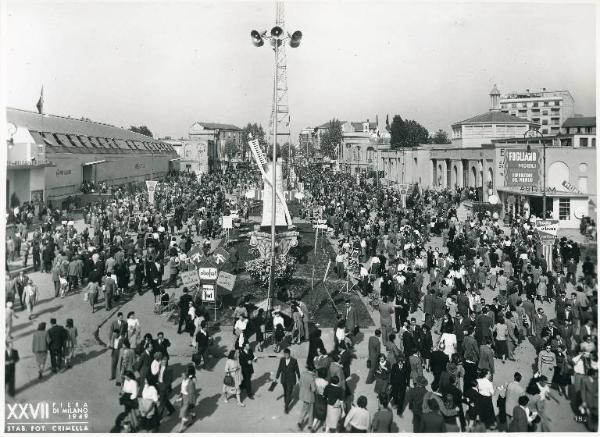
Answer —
543 89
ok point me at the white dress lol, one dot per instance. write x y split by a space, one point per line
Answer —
449 341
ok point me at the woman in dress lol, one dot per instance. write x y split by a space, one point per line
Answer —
426 346
233 370
562 371
133 328
546 362
447 324
382 373
31 295
40 348
501 331
448 340
542 288
334 394
484 402
70 342
315 343
188 397
128 398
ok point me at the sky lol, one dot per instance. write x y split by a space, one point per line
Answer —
167 65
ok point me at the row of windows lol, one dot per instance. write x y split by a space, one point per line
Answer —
531 104
81 141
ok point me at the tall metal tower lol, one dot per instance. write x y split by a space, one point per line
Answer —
280 112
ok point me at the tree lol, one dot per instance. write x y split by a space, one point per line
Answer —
142 130
407 133
440 137
231 148
257 133
397 132
331 139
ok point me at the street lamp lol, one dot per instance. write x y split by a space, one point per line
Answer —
530 133
277 38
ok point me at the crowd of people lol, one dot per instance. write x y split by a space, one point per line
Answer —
450 314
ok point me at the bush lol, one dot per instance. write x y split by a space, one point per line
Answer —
259 269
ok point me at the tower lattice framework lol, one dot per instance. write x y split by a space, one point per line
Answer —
280 112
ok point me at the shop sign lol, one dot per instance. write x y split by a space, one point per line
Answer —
523 169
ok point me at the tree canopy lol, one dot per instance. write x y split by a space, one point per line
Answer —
331 139
257 132
142 130
407 133
440 137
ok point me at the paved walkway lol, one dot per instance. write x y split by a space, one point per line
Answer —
88 380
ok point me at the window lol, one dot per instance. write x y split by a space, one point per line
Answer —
564 209
514 105
594 142
582 184
544 122
535 104
75 141
557 103
544 131
583 142
546 104
544 112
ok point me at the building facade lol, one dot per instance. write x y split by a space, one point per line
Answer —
481 129
214 138
549 109
49 157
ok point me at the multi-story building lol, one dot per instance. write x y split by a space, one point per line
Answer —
481 129
360 145
306 138
193 154
49 156
214 137
549 109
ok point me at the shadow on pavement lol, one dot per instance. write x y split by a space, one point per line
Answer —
78 359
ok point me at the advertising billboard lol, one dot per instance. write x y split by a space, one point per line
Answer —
522 169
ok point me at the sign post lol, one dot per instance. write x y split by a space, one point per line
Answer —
547 230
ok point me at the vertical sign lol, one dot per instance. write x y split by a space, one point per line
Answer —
151 185
523 169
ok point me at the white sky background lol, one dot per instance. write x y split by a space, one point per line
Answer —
167 65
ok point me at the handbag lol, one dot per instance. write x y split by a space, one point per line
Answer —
228 380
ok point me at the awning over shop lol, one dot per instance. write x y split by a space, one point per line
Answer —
549 193
94 162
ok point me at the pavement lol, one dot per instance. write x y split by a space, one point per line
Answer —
88 379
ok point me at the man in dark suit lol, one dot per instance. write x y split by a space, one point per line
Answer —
11 358
115 344
290 373
55 339
428 307
439 308
163 386
110 288
432 421
374 348
520 421
184 306
463 304
414 400
118 324
351 318
145 362
483 326
470 357
161 344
